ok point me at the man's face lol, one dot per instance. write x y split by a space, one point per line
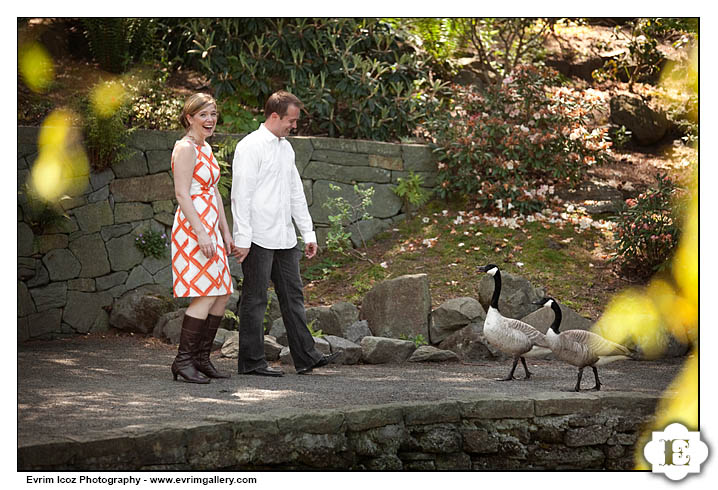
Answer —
289 122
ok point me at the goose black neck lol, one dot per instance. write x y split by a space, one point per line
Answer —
556 317
497 290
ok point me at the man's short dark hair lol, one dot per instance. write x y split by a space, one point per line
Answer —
279 102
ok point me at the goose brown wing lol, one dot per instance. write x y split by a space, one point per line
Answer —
595 343
536 337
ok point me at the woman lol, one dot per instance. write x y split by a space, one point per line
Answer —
201 239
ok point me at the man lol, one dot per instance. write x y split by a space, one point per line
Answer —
267 193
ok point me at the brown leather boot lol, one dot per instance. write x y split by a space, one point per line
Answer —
190 339
202 362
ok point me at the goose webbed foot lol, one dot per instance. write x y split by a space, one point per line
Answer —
510 377
578 380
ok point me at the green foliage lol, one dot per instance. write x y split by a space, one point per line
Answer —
320 271
648 229
117 41
40 214
346 213
620 136
643 60
355 77
152 105
506 146
105 137
232 316
418 339
502 44
411 192
152 243
315 333
236 118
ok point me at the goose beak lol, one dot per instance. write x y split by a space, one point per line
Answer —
537 303
481 268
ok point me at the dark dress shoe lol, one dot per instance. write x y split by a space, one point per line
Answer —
266 371
326 359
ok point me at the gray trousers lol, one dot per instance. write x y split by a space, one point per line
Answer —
281 267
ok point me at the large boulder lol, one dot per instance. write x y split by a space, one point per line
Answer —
470 344
380 350
398 307
138 311
169 326
517 295
542 319
454 315
647 125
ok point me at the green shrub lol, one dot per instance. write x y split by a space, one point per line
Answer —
411 192
347 213
648 229
506 146
152 243
356 78
105 137
117 41
153 105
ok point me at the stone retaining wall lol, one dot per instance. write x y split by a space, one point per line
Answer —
71 272
546 431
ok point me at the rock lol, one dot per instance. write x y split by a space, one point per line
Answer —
230 347
25 305
40 276
322 345
285 357
123 254
333 320
470 344
367 229
43 323
427 353
647 125
128 212
54 295
45 243
357 331
517 294
61 264
92 217
137 311
279 332
90 250
454 315
84 310
385 203
25 239
138 277
350 352
272 348
398 306
169 326
111 280
379 350
134 165
542 318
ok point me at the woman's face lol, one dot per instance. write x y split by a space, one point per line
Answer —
203 122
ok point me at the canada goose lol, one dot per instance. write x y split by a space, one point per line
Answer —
578 347
511 336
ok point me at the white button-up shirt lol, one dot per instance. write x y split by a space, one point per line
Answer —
267 193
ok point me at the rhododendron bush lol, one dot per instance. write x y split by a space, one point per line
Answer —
508 146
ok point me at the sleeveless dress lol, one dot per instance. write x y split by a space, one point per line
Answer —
193 274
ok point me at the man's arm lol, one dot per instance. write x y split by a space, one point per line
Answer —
300 214
245 169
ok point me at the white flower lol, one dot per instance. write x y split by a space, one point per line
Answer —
384 265
425 219
461 244
519 264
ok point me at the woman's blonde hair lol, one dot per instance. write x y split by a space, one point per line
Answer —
193 105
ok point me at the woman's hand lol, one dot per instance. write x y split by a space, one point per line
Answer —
205 244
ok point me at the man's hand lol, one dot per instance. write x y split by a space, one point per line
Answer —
310 250
240 254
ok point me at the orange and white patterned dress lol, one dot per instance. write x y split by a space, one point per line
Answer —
193 274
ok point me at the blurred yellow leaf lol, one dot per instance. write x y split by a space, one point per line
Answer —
61 161
107 97
36 67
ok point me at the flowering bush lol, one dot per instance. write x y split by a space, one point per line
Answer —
152 243
647 229
505 147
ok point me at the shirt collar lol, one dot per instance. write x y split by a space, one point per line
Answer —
267 135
